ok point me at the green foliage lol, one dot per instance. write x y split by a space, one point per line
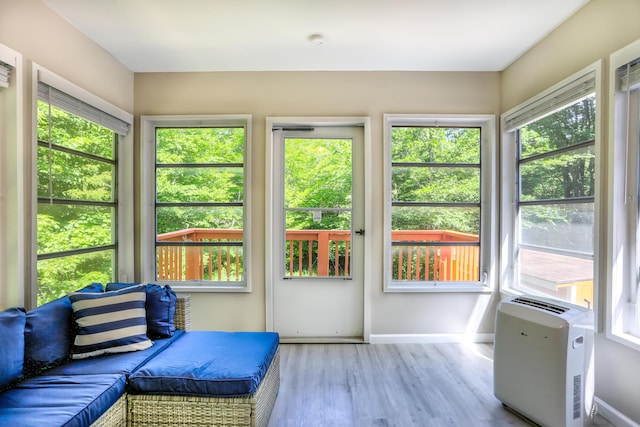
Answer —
570 173
318 175
559 175
216 175
198 166
73 176
436 182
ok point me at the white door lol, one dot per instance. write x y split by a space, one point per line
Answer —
317 232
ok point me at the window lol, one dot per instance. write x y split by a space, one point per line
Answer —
553 176
624 190
439 200
198 190
77 193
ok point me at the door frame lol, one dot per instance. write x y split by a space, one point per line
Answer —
270 266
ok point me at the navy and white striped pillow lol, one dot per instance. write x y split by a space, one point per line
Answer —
109 322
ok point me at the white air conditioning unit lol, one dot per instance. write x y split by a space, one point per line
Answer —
543 360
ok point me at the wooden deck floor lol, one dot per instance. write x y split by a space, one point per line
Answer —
384 385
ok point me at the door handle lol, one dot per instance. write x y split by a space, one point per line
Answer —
360 232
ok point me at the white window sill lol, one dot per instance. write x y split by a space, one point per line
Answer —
626 339
440 287
193 288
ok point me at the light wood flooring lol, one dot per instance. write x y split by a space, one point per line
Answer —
385 385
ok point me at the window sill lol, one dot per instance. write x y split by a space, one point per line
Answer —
193 288
434 288
626 339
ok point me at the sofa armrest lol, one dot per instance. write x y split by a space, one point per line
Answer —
182 318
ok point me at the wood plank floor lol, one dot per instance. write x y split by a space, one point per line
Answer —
384 385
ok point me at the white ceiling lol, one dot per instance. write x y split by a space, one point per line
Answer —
270 35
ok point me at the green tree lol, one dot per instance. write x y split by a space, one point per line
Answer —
437 182
78 167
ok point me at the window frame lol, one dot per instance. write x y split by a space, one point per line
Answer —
124 266
148 159
509 177
623 308
488 200
14 194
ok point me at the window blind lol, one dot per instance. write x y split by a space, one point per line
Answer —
559 98
75 106
5 72
630 76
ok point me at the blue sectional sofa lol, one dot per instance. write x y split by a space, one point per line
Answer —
125 356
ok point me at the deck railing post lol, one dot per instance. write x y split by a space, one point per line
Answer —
323 253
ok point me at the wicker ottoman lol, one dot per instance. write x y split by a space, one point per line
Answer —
187 391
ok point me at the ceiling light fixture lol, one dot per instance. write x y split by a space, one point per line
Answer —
316 39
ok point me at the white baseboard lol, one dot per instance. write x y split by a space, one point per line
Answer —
429 338
614 416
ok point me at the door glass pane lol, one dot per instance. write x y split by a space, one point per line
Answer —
317 211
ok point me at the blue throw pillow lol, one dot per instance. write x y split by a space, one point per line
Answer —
12 323
109 322
161 308
94 287
49 333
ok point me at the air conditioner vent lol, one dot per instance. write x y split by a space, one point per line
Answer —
543 305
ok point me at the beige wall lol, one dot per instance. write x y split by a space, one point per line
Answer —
593 33
41 36
371 94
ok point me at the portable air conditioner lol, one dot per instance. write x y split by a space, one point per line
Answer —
543 360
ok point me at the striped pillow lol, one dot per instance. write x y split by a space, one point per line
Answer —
109 322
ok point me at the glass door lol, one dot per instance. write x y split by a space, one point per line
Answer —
318 291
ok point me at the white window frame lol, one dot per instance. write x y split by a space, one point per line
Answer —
147 140
13 220
508 154
623 310
125 228
488 206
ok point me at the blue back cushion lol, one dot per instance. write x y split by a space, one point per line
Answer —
12 323
109 322
49 333
160 306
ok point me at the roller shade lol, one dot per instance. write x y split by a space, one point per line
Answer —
5 72
551 102
73 105
629 77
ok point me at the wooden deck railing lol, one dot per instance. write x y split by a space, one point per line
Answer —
317 253
415 259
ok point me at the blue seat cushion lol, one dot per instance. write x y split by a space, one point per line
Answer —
12 321
69 401
118 363
208 363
